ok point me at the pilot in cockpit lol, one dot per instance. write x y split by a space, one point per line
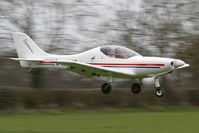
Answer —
111 54
118 53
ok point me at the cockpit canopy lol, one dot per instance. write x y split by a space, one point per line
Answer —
118 51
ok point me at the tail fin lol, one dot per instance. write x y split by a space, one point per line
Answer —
26 47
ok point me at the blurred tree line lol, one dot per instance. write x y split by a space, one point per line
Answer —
153 28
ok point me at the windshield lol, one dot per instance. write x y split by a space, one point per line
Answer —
118 51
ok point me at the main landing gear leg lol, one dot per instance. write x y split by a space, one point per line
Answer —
159 91
106 87
136 87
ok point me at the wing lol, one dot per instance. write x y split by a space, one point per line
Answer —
86 69
93 70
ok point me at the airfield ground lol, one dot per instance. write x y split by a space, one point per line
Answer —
133 121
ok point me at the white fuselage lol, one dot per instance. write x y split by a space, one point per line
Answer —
142 66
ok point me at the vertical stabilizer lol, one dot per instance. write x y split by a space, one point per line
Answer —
26 47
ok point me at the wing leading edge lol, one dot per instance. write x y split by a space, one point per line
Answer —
93 70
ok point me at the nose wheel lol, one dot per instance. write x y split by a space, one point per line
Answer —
159 91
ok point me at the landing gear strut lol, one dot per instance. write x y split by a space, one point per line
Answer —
106 87
159 91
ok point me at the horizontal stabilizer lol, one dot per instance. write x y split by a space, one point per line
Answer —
24 59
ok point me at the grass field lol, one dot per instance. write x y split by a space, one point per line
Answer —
101 122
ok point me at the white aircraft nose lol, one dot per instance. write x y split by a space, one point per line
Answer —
178 63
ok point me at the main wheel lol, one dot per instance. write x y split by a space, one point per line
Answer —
159 92
106 88
136 88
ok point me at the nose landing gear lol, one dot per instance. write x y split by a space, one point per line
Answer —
159 91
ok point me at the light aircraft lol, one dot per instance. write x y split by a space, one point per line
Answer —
109 61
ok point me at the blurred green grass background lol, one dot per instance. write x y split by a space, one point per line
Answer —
132 121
